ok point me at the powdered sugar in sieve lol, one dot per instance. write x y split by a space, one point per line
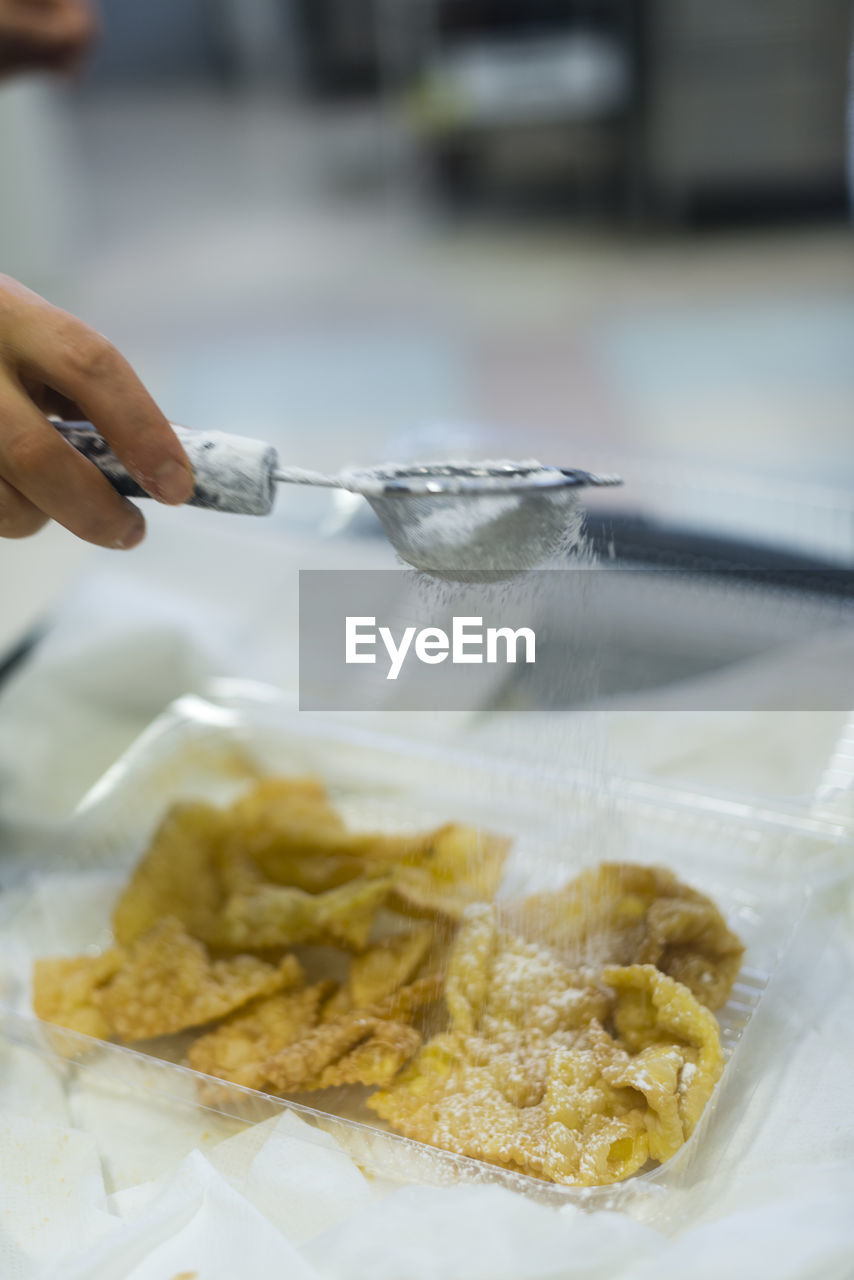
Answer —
454 518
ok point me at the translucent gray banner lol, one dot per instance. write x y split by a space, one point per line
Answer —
579 637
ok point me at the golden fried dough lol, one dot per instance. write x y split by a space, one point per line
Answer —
356 1048
654 1009
167 983
278 868
294 835
380 970
64 991
272 915
497 982
197 873
624 913
291 832
573 1034
375 1061
531 1079
689 940
241 1043
177 876
460 866
279 1044
363 1046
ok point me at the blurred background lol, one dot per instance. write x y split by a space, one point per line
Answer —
613 234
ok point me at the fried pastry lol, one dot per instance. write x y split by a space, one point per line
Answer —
296 838
243 1041
362 1046
177 876
196 871
460 866
688 939
355 1048
572 1127
575 1039
653 1009
625 913
378 972
498 982
167 982
530 1077
280 1044
272 915
64 991
279 868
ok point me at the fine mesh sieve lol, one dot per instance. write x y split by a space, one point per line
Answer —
452 518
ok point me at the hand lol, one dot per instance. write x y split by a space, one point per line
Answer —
51 362
45 35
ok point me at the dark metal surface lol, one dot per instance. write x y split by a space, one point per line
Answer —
636 540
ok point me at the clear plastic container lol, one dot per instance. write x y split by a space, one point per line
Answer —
754 863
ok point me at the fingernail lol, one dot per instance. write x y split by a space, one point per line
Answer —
172 483
134 532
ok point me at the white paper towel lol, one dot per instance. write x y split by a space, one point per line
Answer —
198 1226
477 1233
51 1195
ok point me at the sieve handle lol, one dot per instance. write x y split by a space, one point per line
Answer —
233 473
